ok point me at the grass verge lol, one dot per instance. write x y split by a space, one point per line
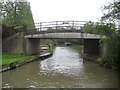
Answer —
7 59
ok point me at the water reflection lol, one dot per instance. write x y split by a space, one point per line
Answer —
64 61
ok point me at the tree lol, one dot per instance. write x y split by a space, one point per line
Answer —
100 28
106 29
113 40
112 11
89 27
17 13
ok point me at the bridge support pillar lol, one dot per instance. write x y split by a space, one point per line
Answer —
32 46
91 46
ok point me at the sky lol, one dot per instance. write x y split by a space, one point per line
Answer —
60 10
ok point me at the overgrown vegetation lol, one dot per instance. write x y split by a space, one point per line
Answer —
113 40
107 27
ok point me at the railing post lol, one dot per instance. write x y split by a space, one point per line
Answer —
40 26
56 25
72 24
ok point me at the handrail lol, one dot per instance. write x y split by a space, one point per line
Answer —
57 24
54 26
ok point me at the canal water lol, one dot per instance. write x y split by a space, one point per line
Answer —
65 69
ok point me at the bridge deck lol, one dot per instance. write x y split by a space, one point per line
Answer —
60 29
64 35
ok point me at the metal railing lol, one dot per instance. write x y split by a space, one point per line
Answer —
55 27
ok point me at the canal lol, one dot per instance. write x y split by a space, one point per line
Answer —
65 69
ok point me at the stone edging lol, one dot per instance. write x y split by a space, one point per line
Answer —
18 64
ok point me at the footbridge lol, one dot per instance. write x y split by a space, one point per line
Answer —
29 40
62 30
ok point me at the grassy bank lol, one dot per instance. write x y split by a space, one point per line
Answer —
7 59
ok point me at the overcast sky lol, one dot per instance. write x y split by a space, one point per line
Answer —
81 10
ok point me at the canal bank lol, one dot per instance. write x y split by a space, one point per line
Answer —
98 59
65 69
102 61
13 65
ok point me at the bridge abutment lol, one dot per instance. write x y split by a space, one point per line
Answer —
17 44
32 46
91 46
13 44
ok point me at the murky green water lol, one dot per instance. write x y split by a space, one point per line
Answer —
64 69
